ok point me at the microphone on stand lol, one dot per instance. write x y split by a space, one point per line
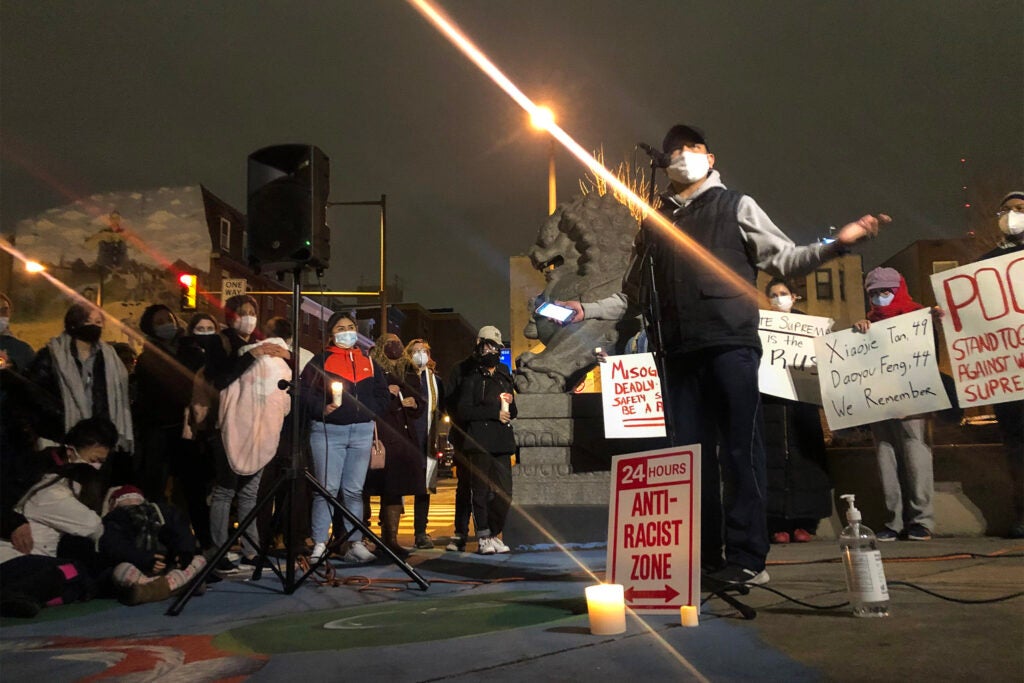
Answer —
661 160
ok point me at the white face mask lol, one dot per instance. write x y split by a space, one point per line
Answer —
245 325
882 299
1012 223
5 323
76 458
782 302
346 339
420 358
688 168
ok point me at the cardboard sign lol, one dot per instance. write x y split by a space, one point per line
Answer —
654 528
888 372
232 287
788 364
631 396
984 328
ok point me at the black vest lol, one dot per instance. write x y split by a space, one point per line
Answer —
699 308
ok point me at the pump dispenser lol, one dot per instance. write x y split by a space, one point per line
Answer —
865 575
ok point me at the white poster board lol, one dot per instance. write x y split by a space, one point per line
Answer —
888 372
631 396
984 328
654 528
788 365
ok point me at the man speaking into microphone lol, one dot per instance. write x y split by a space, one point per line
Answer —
711 348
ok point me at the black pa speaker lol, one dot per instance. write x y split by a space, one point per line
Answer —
287 208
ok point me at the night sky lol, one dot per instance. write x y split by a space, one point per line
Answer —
821 110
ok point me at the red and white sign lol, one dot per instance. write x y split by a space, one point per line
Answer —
984 328
654 528
631 396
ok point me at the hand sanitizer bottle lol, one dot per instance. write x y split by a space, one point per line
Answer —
865 576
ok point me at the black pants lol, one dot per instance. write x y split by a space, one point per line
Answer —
421 511
713 400
1011 428
463 494
491 485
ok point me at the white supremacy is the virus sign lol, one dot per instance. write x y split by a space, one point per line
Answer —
788 365
984 328
888 372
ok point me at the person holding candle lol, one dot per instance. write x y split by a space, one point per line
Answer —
431 389
341 434
485 407
404 472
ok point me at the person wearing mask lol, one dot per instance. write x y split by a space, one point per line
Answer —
14 353
163 388
61 498
485 407
240 340
799 488
194 465
342 391
404 472
431 390
77 376
709 315
457 436
1010 218
904 457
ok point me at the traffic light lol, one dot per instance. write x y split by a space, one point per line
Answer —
188 284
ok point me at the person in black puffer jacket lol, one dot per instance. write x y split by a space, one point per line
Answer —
485 408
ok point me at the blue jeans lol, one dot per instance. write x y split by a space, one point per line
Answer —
714 400
341 458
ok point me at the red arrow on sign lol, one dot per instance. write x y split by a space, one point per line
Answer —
667 594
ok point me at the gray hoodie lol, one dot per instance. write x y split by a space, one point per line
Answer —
767 247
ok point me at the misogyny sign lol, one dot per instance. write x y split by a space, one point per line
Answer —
631 396
984 328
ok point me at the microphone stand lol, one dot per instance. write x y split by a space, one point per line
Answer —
285 511
652 313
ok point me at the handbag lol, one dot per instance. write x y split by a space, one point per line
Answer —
377 453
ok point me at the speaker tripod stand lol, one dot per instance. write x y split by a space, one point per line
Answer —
284 514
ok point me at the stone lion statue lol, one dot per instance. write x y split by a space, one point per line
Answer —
583 250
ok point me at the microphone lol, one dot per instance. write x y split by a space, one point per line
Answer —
661 160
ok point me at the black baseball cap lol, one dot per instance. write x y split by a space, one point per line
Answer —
680 136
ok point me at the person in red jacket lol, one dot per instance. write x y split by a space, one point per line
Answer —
904 457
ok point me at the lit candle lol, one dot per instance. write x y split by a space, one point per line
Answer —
688 615
606 607
336 389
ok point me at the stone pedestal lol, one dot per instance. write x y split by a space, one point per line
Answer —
561 483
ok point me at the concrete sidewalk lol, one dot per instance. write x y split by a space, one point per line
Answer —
522 616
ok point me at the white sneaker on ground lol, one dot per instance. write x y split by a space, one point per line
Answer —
359 554
318 551
457 544
485 546
499 545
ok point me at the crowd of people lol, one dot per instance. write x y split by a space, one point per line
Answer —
122 474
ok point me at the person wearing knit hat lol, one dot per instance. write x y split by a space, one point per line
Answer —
1010 218
904 457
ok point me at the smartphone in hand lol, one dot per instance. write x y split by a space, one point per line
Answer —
557 313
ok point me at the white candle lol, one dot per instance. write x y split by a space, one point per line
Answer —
606 607
688 615
336 389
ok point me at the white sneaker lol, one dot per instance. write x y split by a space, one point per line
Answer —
359 554
485 546
499 545
318 551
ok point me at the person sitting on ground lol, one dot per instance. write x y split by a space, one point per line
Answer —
150 546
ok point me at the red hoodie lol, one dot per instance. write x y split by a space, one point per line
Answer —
901 303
